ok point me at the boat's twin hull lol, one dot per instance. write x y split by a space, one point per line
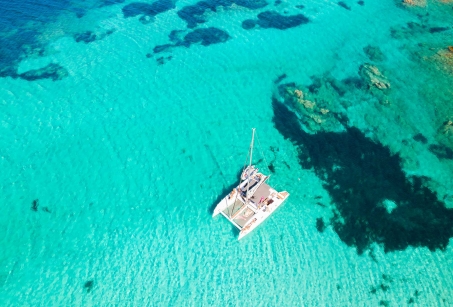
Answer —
262 216
273 201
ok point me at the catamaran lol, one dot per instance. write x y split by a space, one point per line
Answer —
252 201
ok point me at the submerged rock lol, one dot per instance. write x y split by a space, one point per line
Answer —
447 127
374 77
272 19
203 36
419 3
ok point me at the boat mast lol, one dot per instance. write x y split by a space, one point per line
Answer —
250 163
251 146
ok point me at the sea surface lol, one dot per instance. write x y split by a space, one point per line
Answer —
122 124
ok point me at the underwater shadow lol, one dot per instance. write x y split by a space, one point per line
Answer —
374 200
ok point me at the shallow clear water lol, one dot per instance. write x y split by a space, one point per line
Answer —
127 151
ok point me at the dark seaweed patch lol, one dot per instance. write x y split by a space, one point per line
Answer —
272 19
35 205
18 39
248 24
86 37
441 151
277 2
384 287
162 48
162 60
147 10
51 71
420 138
374 53
359 175
360 3
45 209
88 285
174 36
438 29
89 36
195 14
344 5
384 303
300 6
320 225
204 36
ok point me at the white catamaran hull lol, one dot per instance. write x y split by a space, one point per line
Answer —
262 216
252 201
247 208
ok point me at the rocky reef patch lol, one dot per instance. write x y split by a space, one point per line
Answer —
91 36
52 71
202 36
273 19
196 14
147 11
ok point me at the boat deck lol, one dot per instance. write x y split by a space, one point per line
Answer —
240 213
261 194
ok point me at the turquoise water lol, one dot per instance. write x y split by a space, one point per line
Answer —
126 152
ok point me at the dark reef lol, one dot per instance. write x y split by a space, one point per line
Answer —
420 138
438 29
147 10
35 205
344 5
162 60
195 14
51 71
86 37
320 225
441 151
272 19
88 285
359 175
19 40
89 36
204 36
